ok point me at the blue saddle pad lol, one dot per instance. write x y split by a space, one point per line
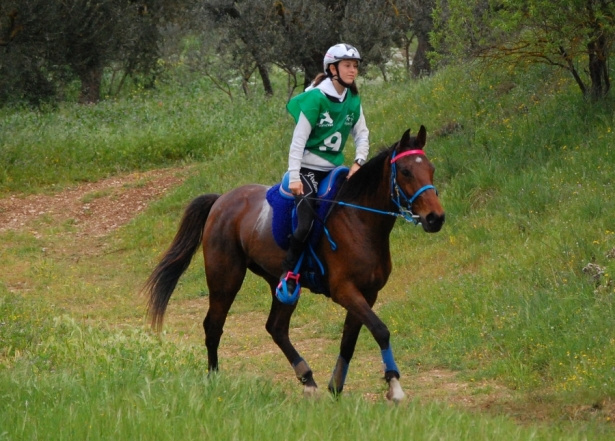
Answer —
284 221
283 204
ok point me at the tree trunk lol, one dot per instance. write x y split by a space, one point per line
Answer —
598 68
383 71
420 62
292 84
311 67
407 43
90 85
264 73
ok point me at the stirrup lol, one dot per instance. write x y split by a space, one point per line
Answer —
281 292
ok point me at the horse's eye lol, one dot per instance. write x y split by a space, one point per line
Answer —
405 172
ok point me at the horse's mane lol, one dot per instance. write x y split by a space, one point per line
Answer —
367 179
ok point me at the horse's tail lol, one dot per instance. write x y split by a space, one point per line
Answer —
161 283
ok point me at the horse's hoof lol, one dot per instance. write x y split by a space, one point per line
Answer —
310 391
395 393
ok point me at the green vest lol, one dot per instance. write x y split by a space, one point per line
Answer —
331 122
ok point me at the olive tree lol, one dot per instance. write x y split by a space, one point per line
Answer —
44 44
294 34
575 35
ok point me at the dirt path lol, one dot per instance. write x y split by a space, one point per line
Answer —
95 209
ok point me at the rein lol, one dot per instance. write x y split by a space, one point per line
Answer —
405 210
397 194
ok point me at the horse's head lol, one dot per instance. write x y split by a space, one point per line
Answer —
412 181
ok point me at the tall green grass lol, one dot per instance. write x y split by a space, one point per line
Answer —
85 143
90 383
525 176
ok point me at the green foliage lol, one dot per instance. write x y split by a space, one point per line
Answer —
45 46
293 34
76 143
564 34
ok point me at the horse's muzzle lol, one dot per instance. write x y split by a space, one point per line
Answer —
432 223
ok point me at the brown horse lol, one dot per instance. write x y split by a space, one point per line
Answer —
236 232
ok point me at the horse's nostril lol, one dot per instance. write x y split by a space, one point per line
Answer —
434 219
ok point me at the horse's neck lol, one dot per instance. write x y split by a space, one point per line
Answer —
381 201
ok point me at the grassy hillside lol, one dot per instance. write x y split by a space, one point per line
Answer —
503 297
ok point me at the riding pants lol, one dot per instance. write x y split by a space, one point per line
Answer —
305 207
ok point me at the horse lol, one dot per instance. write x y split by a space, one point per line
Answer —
235 230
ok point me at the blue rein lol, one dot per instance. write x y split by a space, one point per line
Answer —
397 195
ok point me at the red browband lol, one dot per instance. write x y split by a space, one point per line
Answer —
406 153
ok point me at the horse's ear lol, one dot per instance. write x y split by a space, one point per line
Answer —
421 138
405 139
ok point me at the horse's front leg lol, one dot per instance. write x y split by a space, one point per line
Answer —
361 313
352 327
278 325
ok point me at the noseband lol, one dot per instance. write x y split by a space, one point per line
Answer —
399 198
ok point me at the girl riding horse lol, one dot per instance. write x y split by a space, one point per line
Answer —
326 113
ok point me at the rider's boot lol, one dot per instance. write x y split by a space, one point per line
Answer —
288 265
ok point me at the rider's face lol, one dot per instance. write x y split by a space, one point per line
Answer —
348 70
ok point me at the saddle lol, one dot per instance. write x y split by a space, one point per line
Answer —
282 201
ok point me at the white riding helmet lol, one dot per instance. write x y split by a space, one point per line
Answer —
340 52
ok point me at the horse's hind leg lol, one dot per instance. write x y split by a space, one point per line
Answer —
278 325
224 282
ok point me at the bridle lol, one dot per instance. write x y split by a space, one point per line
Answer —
397 194
398 197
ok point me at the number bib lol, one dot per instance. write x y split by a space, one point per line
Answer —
331 122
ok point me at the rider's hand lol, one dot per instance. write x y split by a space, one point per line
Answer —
296 188
353 168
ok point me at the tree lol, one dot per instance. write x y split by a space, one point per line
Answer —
55 42
294 34
421 25
565 34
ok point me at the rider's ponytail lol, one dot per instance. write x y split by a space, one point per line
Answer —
319 79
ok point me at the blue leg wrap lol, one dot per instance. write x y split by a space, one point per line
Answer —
389 361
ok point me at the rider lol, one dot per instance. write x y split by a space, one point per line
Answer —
326 113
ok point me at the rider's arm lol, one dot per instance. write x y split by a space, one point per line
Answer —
360 134
297 146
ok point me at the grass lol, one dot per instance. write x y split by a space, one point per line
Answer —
499 298
92 383
85 143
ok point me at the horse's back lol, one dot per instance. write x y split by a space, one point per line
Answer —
236 208
239 227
